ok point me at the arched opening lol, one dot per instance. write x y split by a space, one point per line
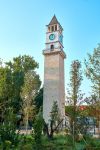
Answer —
52 28
49 29
55 27
52 47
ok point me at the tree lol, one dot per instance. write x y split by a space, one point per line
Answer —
74 95
38 127
38 101
19 67
92 72
12 76
54 116
8 130
55 121
29 90
6 90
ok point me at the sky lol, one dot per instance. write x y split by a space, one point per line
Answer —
23 30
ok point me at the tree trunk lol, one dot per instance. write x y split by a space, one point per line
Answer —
26 128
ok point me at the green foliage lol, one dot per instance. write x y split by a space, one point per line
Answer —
61 142
93 70
93 73
12 78
30 86
5 82
7 145
38 127
23 63
55 116
29 89
27 141
19 67
55 121
5 90
27 147
38 101
74 96
92 143
73 93
69 111
16 77
8 130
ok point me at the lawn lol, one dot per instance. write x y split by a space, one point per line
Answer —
59 142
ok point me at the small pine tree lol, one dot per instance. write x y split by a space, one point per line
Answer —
55 113
38 127
55 121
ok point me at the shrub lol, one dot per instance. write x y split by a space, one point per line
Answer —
7 144
8 130
27 147
7 133
92 143
69 140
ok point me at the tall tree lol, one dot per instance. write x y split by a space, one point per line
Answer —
55 121
93 73
74 95
12 75
29 89
5 90
19 67
93 70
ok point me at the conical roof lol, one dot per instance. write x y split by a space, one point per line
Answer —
54 21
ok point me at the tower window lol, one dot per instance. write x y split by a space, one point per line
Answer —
52 47
52 28
55 27
49 29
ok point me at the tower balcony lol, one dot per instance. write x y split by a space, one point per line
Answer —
54 51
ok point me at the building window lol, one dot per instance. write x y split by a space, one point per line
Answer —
55 27
52 47
52 28
49 29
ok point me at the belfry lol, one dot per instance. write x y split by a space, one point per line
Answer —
54 55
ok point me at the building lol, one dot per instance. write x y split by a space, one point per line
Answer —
54 88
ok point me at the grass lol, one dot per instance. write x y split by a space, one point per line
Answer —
59 142
64 142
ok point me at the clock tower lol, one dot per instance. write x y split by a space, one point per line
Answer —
54 88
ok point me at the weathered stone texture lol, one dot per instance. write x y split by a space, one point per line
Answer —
53 84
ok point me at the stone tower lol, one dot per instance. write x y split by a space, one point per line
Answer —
54 89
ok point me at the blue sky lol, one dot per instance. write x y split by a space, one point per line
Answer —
22 29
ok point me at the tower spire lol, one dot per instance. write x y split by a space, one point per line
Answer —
54 21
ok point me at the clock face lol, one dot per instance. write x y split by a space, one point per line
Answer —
61 38
52 37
